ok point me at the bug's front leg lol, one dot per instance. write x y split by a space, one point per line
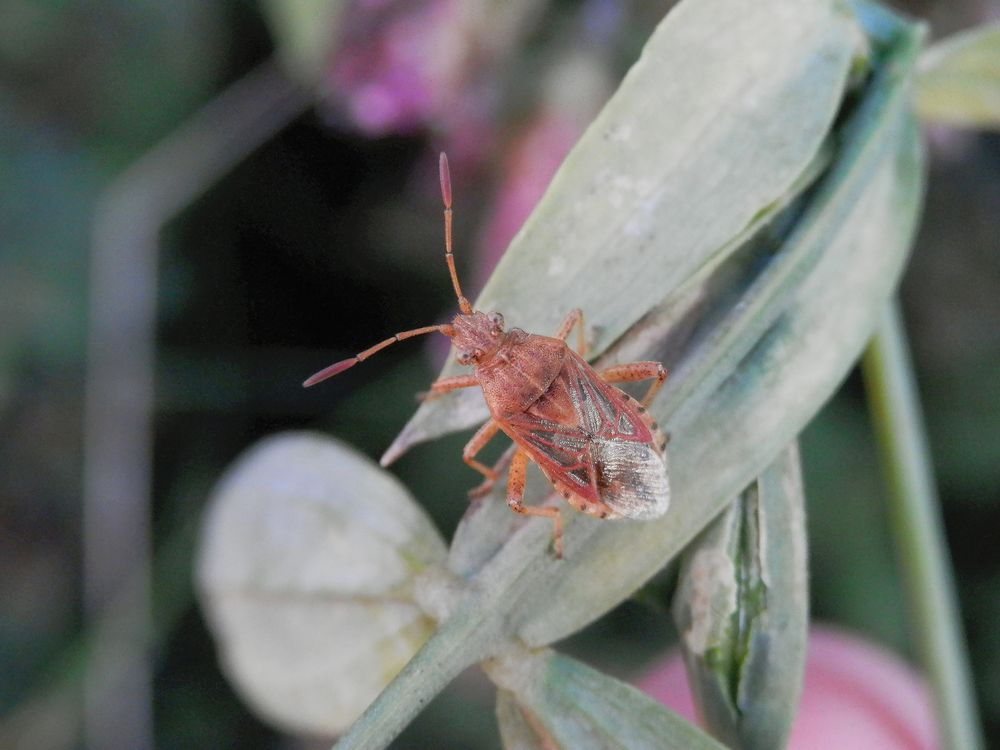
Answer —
476 443
635 371
446 385
515 499
575 318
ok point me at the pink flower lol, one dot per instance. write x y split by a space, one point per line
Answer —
526 172
576 88
855 695
399 63
401 67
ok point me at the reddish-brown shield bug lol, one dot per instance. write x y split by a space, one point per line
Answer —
597 445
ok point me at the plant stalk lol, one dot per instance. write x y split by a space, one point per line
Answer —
915 521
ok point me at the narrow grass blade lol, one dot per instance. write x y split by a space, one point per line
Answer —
918 532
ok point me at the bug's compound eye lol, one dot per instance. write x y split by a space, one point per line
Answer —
497 320
465 356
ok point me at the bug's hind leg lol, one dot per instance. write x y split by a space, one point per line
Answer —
575 318
635 371
515 499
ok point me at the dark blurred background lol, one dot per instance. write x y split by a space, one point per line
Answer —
323 237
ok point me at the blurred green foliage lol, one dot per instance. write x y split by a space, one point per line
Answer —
319 244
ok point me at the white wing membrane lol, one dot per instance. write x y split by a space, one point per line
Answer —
631 478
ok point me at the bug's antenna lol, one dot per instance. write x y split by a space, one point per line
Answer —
463 303
338 367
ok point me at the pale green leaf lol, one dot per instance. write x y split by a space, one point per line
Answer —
959 79
704 138
552 702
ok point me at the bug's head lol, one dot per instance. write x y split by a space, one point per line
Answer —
476 336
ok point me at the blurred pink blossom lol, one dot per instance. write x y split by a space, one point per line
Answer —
402 66
855 695
576 87
526 172
398 63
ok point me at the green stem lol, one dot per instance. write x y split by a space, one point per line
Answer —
459 642
919 536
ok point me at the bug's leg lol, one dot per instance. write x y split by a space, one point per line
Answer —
487 484
634 371
445 385
483 435
575 317
515 499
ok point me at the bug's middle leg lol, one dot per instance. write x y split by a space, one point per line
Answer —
515 499
635 371
476 443
575 318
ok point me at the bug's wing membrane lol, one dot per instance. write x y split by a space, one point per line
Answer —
588 434
631 478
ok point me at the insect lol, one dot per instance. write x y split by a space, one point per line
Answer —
597 445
